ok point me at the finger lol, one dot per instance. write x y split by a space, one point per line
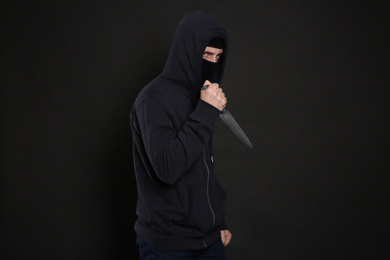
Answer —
228 237
223 236
218 91
211 87
207 82
227 240
214 86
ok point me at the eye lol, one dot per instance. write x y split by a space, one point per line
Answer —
204 53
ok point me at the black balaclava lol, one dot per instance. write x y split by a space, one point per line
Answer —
208 67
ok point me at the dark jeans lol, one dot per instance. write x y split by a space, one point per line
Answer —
149 252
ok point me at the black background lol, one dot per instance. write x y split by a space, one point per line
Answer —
306 80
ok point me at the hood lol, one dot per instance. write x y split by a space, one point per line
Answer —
183 67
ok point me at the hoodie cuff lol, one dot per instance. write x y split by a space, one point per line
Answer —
223 225
208 112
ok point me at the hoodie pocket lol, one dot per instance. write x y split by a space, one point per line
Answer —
199 216
217 198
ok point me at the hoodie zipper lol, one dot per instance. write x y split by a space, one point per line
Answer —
208 183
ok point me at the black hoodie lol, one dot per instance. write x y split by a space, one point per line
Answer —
180 202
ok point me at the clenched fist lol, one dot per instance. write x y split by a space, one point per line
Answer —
213 95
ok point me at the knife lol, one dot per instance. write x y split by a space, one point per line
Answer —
229 120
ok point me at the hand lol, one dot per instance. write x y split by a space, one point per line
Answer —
226 236
213 95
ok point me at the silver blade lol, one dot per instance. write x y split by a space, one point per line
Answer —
235 127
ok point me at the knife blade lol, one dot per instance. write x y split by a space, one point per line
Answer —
229 120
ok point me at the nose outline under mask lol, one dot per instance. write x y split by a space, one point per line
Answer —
208 70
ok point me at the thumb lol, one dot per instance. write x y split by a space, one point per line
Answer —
207 83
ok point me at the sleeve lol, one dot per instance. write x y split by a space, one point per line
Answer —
173 152
223 225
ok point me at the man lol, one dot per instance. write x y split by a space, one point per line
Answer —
180 205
